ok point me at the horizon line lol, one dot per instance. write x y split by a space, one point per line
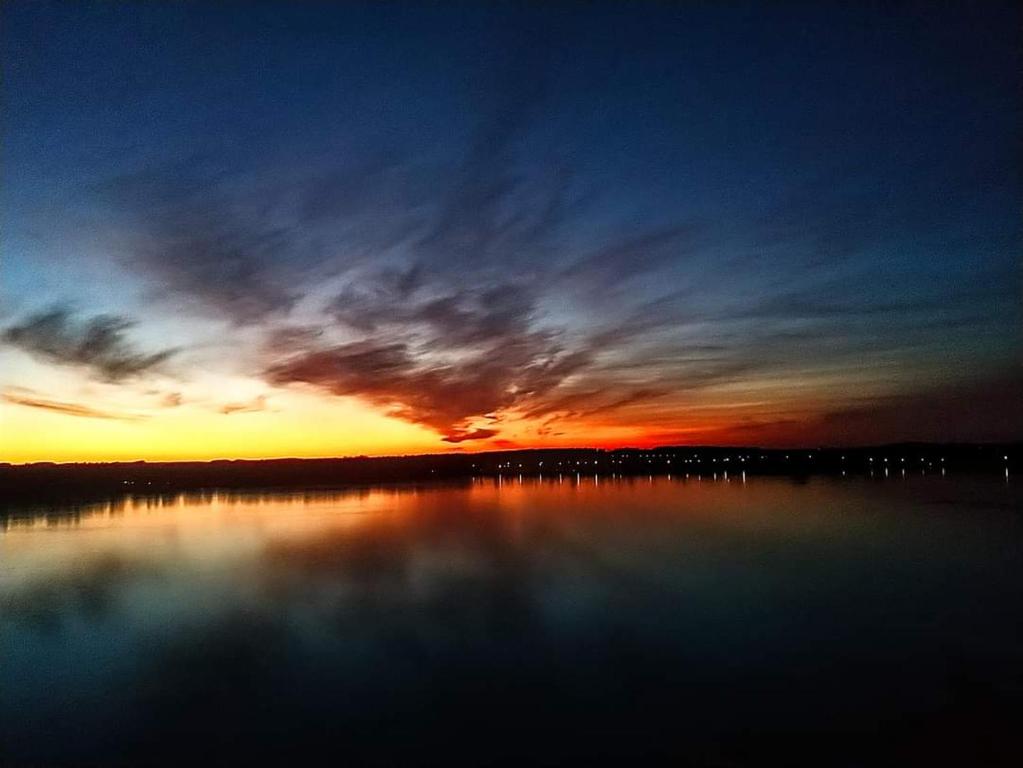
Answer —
451 454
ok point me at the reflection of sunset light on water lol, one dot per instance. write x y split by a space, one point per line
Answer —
376 595
220 529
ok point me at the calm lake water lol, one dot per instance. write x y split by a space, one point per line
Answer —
830 622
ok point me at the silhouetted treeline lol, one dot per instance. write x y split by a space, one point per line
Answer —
61 481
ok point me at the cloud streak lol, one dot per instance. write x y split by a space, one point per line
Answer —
255 405
67 409
99 343
445 396
202 241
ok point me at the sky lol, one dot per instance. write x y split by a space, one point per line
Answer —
259 230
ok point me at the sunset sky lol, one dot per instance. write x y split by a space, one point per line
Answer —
235 230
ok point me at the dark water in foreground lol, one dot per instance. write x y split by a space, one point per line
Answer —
836 622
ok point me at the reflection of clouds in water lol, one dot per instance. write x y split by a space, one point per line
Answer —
383 626
89 591
431 627
430 578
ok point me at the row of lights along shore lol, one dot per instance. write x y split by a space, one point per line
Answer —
631 460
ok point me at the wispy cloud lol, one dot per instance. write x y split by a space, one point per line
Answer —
99 343
445 396
637 254
257 403
200 240
68 409
171 400
481 280
474 434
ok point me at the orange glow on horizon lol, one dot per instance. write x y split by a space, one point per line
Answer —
305 428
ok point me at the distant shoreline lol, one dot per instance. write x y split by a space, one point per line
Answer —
51 481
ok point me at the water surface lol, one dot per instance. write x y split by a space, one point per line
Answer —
518 621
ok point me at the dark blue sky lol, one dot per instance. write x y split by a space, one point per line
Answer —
637 222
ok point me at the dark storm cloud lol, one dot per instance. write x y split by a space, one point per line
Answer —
99 343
